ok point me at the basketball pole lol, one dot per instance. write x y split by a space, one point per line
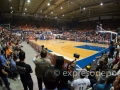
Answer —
111 33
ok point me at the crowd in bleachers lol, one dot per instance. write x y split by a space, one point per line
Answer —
87 31
9 49
12 62
84 31
31 23
88 36
55 77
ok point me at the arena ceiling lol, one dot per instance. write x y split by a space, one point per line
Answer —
66 9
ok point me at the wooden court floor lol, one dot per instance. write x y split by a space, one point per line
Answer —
67 48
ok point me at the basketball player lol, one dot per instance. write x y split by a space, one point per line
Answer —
111 49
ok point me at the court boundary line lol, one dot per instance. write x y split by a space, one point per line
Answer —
90 56
95 53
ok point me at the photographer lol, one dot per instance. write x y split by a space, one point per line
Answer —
55 77
41 63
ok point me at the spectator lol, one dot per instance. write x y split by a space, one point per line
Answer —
13 63
105 61
116 83
50 78
92 78
82 83
41 63
105 86
6 64
64 74
118 66
116 58
0 82
103 75
3 75
99 67
111 50
8 51
3 59
24 71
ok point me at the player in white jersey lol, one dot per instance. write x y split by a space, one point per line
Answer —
82 83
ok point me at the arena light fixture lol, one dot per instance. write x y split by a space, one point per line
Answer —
40 10
48 4
101 4
51 12
25 9
28 1
55 17
84 8
11 11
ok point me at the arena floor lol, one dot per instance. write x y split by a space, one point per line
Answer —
68 48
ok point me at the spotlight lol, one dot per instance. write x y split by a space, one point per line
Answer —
101 4
51 12
28 1
48 4
84 8
40 10
25 9
11 11
55 17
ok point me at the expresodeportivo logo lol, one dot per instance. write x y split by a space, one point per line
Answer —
84 73
56 72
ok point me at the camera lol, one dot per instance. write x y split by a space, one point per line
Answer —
76 55
21 46
46 49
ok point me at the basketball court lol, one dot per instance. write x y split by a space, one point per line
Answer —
68 48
